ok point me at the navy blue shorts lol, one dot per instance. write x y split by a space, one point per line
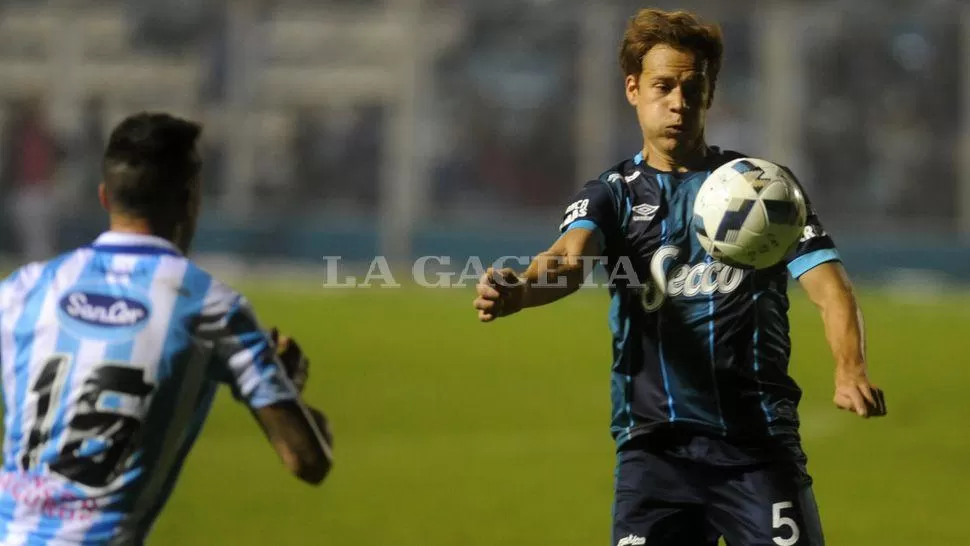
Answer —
665 500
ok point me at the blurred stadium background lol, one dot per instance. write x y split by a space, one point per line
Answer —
459 128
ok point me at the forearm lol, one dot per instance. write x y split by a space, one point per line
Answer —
844 329
829 288
551 277
300 436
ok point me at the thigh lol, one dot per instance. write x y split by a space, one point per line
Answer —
771 505
658 502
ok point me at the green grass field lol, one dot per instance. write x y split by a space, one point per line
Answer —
450 432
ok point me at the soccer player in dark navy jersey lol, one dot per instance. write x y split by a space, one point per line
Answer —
704 411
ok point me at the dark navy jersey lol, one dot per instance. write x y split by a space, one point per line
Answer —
697 345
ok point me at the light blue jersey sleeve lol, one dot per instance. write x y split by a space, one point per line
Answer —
593 209
815 247
244 355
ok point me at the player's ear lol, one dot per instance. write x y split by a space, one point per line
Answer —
103 197
632 87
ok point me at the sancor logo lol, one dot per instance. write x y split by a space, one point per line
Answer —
96 312
703 279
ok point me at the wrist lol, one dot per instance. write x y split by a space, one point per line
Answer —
524 298
850 366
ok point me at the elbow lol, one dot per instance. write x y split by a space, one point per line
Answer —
839 303
838 295
829 288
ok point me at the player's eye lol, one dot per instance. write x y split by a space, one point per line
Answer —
693 88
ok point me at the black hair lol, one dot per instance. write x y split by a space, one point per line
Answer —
150 165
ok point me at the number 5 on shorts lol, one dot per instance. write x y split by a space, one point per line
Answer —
778 521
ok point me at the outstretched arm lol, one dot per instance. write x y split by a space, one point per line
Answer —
266 372
552 275
588 224
300 435
829 287
305 449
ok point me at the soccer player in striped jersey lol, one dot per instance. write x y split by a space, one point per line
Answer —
111 356
704 411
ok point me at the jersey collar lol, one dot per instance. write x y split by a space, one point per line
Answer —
712 162
134 243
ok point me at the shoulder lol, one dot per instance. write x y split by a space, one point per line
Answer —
196 290
723 156
215 296
625 179
604 191
20 282
217 308
26 275
624 172
23 280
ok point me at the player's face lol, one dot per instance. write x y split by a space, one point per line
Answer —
671 97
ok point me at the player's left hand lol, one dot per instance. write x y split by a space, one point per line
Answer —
295 363
854 392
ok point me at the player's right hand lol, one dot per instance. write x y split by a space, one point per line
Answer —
500 293
296 364
854 393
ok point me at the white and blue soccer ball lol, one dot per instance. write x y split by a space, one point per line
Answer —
749 213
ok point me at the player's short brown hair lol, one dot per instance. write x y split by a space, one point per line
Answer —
678 29
150 163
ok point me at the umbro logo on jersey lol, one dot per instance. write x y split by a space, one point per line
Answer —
644 212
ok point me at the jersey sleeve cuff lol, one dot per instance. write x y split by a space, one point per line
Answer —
590 225
805 263
271 393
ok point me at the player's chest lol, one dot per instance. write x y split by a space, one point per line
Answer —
661 216
662 249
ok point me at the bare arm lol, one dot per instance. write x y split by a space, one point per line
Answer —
588 225
267 373
552 275
300 437
829 288
559 271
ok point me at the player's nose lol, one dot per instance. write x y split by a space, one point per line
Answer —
677 100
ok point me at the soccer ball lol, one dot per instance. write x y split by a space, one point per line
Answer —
749 213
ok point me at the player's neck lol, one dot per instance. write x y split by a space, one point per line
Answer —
134 226
692 159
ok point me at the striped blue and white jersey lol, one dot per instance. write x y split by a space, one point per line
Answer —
111 356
